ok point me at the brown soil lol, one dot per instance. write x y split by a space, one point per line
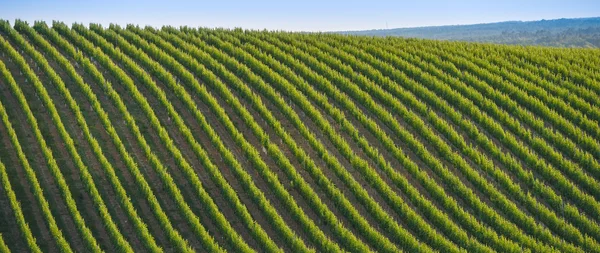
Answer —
8 224
202 138
36 160
166 200
319 161
138 199
85 151
101 181
62 158
181 178
258 179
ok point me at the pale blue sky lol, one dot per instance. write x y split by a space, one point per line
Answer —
307 15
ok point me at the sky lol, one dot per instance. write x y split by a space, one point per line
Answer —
306 15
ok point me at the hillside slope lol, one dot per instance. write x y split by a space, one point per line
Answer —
137 139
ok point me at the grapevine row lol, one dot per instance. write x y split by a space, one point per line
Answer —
439 124
359 222
565 145
207 75
92 244
457 119
373 153
16 208
173 235
549 171
466 106
200 152
85 174
141 227
407 138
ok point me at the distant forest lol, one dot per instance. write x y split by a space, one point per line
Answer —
578 32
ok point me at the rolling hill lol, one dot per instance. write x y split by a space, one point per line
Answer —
124 139
565 32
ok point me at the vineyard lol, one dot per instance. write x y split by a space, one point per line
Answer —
133 139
